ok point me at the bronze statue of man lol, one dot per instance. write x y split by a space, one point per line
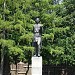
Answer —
37 42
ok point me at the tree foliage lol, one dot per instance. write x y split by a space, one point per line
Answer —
58 39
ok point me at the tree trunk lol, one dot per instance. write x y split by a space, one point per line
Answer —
6 66
2 50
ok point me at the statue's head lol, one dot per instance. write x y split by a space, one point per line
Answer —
37 20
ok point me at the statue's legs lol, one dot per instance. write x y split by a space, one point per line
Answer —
38 50
37 45
39 40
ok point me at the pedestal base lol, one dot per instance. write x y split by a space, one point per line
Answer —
36 65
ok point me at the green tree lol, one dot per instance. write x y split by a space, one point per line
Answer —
16 30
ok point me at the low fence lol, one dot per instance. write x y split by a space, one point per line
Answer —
25 69
58 70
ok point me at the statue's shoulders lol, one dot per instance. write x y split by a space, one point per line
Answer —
38 25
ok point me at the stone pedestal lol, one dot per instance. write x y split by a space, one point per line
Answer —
36 65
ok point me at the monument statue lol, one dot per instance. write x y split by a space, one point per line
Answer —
37 42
